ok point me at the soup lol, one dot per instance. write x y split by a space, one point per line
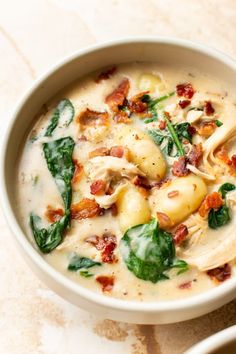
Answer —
126 182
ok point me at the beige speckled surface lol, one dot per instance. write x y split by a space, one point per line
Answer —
33 35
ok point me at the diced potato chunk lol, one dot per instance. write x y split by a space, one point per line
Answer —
180 198
143 152
132 208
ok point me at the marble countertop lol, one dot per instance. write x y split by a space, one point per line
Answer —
33 35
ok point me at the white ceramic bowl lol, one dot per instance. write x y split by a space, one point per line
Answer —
79 64
223 342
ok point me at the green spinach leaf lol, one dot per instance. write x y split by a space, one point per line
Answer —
86 274
77 262
58 155
65 110
149 252
219 217
48 239
225 188
153 105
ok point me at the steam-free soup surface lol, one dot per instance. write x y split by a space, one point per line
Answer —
145 144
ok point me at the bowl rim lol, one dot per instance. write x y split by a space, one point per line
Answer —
192 302
215 341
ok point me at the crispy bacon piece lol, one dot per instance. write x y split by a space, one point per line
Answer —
114 210
118 96
117 151
162 184
208 109
86 208
105 75
78 173
136 105
191 130
184 103
107 244
180 234
107 282
222 154
233 159
122 117
195 155
53 215
102 151
220 274
89 118
186 285
162 124
164 220
82 138
186 90
206 128
141 182
211 201
179 168
98 187
173 194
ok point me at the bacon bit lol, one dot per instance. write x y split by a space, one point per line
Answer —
222 154
86 208
104 75
173 194
184 103
122 117
191 130
102 151
206 129
114 210
180 234
179 168
233 159
164 220
78 173
141 182
98 187
162 124
186 285
186 90
82 138
107 282
211 201
208 109
136 105
89 118
106 243
195 155
162 184
220 274
54 215
118 96
117 151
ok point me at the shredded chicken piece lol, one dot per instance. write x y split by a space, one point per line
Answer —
106 167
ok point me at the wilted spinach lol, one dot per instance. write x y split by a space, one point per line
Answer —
171 137
149 252
77 262
48 239
221 216
225 188
58 155
153 105
64 109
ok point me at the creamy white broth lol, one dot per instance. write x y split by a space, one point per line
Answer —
37 189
